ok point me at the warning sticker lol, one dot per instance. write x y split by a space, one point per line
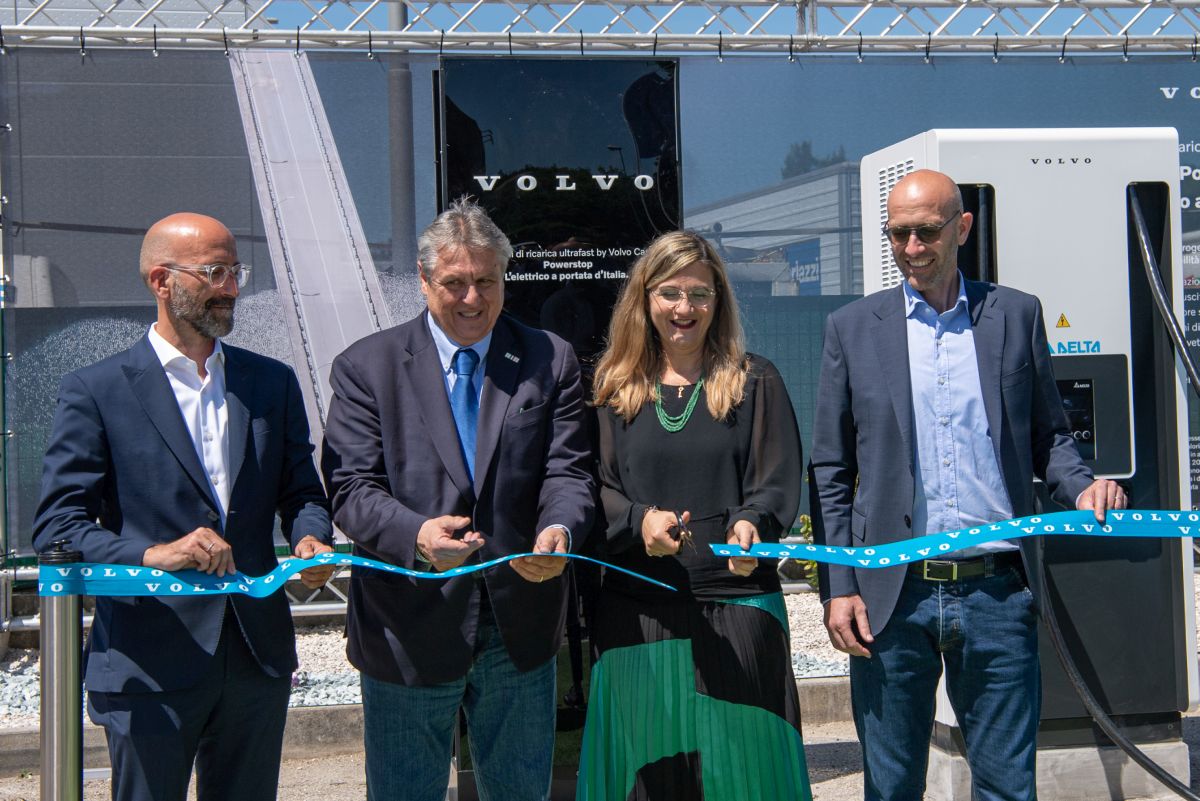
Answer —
1062 322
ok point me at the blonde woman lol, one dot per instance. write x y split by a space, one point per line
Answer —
693 694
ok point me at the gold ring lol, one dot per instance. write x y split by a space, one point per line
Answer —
541 579
208 548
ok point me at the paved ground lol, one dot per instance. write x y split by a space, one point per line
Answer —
834 764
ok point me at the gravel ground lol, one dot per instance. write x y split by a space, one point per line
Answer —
325 677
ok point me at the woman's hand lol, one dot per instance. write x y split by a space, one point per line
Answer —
656 531
744 534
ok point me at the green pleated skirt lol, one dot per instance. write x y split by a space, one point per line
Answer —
693 700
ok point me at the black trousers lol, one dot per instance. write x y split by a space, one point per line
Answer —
230 726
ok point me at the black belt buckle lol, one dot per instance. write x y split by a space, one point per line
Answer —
941 571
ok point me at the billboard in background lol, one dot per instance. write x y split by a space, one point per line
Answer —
577 161
804 266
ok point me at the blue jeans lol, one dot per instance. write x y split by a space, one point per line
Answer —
409 731
985 632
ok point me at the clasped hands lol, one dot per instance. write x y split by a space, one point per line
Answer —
438 544
661 536
207 551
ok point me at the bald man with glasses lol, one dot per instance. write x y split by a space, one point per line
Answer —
936 408
178 454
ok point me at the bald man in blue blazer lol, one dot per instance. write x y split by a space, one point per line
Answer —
179 453
936 408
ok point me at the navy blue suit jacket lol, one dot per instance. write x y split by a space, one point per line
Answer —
121 474
392 460
862 428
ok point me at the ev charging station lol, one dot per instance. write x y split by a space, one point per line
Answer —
1056 215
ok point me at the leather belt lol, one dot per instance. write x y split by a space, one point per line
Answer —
958 569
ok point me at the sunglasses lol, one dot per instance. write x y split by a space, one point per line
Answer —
928 234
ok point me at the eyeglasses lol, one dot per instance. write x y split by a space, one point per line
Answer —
215 274
699 296
900 234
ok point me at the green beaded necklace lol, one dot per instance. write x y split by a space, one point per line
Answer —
675 422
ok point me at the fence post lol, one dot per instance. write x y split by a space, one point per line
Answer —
62 688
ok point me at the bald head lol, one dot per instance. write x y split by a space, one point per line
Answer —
926 225
173 240
928 188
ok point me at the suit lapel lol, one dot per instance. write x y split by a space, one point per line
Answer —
424 374
153 391
987 328
891 345
499 384
239 392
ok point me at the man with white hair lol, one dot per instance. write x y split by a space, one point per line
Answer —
454 437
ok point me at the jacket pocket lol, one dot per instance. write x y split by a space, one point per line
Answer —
858 526
1018 376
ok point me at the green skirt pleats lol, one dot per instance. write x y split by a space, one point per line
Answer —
652 734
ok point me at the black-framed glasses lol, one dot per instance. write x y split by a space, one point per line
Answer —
900 234
697 296
215 274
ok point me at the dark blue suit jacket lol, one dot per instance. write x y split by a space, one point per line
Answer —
862 428
121 474
392 460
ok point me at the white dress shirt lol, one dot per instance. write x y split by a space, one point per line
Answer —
202 404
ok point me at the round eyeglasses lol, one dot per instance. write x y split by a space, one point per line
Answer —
215 274
698 296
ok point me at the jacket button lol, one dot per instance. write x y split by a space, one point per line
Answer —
908 521
213 516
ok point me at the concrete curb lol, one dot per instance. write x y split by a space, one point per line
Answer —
316 731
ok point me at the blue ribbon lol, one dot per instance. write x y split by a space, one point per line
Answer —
88 578
1122 523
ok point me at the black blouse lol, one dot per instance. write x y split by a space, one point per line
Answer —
746 467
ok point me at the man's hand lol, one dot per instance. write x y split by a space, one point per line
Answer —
656 532
744 534
539 568
436 541
849 630
313 577
202 549
1102 495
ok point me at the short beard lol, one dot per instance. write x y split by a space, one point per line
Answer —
187 307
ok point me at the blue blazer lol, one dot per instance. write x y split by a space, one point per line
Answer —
121 474
862 428
392 460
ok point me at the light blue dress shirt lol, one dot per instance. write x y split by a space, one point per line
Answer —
958 480
446 349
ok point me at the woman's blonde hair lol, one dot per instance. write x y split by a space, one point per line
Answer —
629 368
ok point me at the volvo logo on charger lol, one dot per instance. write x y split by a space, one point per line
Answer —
1066 161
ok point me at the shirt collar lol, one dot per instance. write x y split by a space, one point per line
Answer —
913 300
168 354
446 347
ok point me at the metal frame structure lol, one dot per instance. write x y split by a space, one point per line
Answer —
802 27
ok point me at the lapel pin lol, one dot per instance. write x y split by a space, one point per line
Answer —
512 357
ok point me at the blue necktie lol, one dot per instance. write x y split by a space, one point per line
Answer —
464 404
